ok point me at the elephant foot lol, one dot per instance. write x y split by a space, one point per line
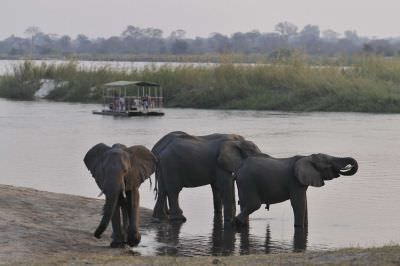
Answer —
134 240
177 218
160 215
117 244
97 234
241 223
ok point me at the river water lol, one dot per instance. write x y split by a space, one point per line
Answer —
43 144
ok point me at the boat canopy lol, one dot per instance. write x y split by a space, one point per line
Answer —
123 83
132 98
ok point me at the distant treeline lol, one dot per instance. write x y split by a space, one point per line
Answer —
148 44
370 84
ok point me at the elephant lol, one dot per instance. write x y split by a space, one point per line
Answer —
118 172
191 161
263 179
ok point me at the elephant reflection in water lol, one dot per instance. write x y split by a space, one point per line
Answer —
168 233
223 241
299 242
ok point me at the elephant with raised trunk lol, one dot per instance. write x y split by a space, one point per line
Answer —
119 171
191 161
266 180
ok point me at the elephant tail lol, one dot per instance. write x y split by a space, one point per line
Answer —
156 181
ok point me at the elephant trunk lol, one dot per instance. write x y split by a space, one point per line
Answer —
345 170
112 199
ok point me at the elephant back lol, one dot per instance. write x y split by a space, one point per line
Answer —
166 140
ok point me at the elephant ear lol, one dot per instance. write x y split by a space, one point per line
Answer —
143 162
307 173
93 160
232 154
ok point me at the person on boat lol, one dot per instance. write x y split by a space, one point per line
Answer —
145 101
121 104
115 102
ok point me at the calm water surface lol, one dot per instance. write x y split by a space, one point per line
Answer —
43 144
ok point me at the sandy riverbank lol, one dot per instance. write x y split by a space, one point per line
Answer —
43 228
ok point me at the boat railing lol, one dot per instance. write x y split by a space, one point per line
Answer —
132 103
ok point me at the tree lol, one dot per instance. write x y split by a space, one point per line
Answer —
351 35
380 46
330 35
152 33
310 32
286 28
83 44
218 43
309 39
367 48
32 31
64 44
44 44
177 34
179 47
132 31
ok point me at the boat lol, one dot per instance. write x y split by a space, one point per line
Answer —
132 98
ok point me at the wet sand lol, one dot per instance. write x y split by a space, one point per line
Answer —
43 228
35 225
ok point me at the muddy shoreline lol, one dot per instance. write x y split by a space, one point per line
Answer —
44 228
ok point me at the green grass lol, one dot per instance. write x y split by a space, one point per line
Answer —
368 84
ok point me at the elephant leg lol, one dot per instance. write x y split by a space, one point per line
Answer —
175 211
229 239
166 210
300 239
125 219
249 201
298 201
306 213
160 210
228 195
247 208
133 215
217 202
117 235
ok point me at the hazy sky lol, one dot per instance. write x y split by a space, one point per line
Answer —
103 18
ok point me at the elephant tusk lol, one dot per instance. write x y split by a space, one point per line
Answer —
101 194
346 168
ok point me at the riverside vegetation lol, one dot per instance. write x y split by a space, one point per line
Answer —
366 84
